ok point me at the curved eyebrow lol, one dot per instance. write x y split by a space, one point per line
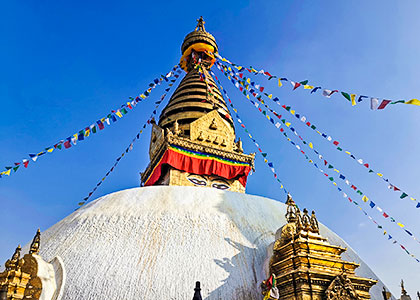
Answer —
202 177
221 180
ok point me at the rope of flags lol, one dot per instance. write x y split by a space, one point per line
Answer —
94 127
263 154
130 146
385 233
375 103
246 82
331 178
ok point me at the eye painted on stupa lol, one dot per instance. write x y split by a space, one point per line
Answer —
197 180
220 186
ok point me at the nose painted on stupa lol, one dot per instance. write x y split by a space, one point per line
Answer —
194 142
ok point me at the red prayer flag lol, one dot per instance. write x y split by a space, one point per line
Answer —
67 143
336 143
261 89
385 215
266 73
383 104
366 165
25 163
297 84
241 75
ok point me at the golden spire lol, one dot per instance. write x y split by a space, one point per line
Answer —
36 243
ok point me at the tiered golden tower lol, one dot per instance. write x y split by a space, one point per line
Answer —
307 267
194 142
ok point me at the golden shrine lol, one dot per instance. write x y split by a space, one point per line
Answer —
306 266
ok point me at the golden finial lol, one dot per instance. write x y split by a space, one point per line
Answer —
13 263
200 24
291 213
36 243
314 222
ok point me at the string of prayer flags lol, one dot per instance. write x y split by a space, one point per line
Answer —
310 145
325 92
129 147
99 124
389 237
314 127
263 154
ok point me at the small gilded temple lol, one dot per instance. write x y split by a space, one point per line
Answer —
191 222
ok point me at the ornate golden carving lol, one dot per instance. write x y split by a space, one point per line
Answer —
20 278
341 288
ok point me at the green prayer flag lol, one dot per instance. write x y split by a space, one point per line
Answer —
370 171
94 129
313 127
399 101
59 146
347 96
264 154
330 166
403 195
304 82
264 113
339 149
288 108
359 192
124 111
283 120
15 168
331 178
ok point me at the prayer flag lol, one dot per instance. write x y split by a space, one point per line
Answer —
413 102
353 99
364 198
347 96
383 104
403 195
374 103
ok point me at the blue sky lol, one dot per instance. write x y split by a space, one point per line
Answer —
66 64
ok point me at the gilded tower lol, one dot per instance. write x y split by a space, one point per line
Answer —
194 142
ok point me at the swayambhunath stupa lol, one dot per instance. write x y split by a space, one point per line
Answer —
190 230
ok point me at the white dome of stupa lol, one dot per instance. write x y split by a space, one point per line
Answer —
156 242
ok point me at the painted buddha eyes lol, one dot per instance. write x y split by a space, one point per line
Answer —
220 186
197 181
203 181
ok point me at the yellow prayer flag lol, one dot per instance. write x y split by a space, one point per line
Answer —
336 170
268 117
87 132
265 160
230 69
308 87
401 225
142 96
413 101
288 124
50 150
247 96
270 96
119 114
292 111
280 84
353 99
235 110
347 152
334 183
248 80
365 199
311 146
379 174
